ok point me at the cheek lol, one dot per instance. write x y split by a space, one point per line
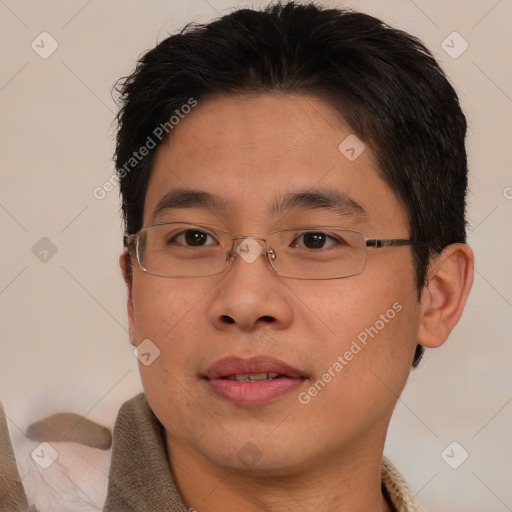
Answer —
343 309
165 313
167 316
388 342
163 307
370 360
373 321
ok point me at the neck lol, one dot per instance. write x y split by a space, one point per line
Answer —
339 484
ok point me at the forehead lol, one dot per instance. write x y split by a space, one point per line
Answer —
258 156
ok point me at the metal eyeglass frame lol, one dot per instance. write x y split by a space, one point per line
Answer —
131 242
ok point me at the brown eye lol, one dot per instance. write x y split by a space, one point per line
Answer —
315 240
192 238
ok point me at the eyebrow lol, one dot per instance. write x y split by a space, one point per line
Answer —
187 198
320 199
329 199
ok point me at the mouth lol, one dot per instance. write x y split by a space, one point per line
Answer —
253 377
252 382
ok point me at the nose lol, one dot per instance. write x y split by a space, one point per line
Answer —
250 294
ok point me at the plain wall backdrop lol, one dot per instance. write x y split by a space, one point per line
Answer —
64 343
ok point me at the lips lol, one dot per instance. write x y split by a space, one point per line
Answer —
252 382
254 365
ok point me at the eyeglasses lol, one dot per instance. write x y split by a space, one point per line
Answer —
181 249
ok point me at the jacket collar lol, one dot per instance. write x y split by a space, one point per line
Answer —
140 477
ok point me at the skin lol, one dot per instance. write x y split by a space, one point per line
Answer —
324 455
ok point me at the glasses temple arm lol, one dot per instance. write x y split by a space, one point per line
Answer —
389 243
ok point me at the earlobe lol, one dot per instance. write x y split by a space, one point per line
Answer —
444 296
126 269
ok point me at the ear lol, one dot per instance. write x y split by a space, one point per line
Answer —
126 268
443 298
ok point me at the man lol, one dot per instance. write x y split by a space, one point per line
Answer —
293 184
271 152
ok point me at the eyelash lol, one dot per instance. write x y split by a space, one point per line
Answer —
299 235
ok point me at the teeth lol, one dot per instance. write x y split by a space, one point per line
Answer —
252 377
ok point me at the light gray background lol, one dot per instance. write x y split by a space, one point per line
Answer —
63 332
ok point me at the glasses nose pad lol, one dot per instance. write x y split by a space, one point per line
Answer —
248 248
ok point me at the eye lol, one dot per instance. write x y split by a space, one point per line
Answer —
316 240
192 238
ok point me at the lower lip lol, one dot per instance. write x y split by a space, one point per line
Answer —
252 394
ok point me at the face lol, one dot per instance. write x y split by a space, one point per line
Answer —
342 348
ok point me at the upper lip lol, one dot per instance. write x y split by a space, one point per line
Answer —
233 365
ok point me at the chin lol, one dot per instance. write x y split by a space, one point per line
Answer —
264 458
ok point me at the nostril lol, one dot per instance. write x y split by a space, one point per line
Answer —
268 319
227 319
